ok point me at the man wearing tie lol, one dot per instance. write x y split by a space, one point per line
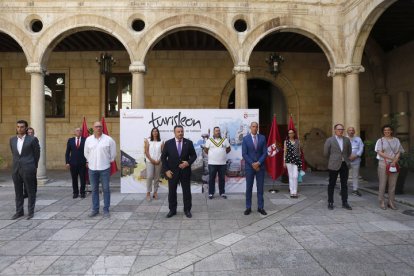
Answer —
338 149
26 153
177 156
76 162
254 152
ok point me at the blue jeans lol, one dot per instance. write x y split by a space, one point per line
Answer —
100 176
212 171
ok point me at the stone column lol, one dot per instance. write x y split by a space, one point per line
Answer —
37 114
338 95
352 105
241 93
385 109
138 70
403 122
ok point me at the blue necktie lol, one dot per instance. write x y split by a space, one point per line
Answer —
179 148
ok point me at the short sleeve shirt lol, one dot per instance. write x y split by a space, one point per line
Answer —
217 154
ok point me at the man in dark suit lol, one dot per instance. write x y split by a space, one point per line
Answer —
177 156
26 153
338 149
254 152
76 162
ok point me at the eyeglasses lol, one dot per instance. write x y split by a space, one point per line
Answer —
341 129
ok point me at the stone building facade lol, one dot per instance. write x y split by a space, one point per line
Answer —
346 82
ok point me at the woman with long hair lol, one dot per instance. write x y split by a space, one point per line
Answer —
292 161
388 150
153 149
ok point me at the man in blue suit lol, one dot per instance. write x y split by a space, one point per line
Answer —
76 162
254 151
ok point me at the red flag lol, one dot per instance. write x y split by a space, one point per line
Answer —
274 160
85 134
114 167
85 131
291 125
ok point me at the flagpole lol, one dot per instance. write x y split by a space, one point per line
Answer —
273 190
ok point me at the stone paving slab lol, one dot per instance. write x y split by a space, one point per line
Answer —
298 237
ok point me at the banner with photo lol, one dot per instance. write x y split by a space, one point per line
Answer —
136 125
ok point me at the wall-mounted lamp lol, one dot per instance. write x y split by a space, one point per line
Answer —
105 61
274 61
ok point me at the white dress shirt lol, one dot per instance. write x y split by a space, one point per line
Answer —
100 152
357 148
20 142
340 142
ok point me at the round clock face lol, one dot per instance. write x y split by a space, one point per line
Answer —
59 80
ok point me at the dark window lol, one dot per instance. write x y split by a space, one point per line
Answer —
118 93
55 84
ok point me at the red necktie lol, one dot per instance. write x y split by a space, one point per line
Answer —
77 143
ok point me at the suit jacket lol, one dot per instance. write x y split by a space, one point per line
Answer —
75 156
332 151
171 160
252 155
29 157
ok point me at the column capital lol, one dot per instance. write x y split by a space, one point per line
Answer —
137 67
241 68
35 68
345 70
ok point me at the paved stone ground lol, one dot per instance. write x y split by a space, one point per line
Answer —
298 237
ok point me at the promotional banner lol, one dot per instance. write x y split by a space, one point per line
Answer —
198 124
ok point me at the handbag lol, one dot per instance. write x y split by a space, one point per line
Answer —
300 176
391 169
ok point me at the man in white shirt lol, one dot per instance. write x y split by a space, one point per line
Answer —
217 149
100 151
355 158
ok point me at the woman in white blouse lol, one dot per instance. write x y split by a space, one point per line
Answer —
153 149
388 150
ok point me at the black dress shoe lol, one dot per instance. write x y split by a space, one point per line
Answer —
346 206
247 211
30 216
171 213
262 211
330 206
83 196
75 195
17 215
188 214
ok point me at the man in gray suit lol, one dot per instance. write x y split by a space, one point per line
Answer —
338 148
26 153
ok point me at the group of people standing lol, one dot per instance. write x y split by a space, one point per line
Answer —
175 156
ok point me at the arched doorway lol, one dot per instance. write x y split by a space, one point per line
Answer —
269 99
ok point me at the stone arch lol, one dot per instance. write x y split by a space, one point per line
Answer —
188 22
19 36
295 25
281 82
377 9
65 27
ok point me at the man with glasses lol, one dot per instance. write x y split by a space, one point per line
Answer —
100 151
338 149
